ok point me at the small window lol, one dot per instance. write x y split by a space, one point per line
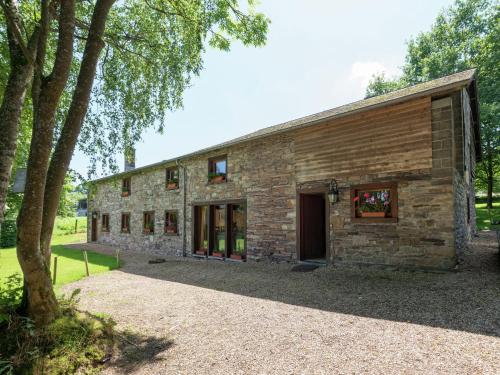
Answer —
217 170
172 178
171 222
126 187
105 222
125 223
149 222
374 203
468 210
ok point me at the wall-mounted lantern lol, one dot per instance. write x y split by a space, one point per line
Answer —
333 192
94 215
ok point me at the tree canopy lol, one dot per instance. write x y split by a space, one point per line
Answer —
100 73
466 35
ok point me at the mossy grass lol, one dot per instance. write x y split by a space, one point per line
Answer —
76 342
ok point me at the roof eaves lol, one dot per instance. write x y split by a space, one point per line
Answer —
428 88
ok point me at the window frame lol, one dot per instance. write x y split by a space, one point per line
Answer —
151 217
168 181
121 226
126 186
105 228
392 186
165 226
211 175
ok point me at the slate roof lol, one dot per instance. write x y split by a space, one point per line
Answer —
433 87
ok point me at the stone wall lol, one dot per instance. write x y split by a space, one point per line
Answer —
464 171
259 172
263 173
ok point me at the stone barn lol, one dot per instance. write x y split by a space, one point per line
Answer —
386 181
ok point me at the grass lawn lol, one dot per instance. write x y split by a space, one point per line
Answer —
70 264
483 217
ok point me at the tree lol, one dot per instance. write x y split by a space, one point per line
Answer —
151 48
464 36
21 60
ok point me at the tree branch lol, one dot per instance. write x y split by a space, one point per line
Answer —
14 25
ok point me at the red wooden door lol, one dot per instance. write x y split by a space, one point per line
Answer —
312 227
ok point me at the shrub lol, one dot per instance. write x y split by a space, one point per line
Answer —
8 233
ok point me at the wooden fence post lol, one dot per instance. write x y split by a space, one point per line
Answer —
76 225
55 271
86 259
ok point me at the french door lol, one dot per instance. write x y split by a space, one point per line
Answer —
220 230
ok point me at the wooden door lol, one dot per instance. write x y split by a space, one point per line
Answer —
94 228
312 226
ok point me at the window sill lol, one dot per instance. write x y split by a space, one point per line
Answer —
171 234
172 188
371 220
125 232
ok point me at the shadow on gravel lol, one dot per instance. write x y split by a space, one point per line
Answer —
136 350
467 300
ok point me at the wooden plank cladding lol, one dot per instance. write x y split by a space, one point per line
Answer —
397 138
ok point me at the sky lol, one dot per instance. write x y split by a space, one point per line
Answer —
320 54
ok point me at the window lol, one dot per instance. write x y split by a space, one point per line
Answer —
126 187
237 231
125 223
374 203
220 230
171 222
172 178
105 222
201 230
149 222
468 210
217 170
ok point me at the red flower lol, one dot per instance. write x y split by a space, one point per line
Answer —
355 199
366 195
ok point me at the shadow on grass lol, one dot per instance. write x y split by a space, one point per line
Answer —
467 300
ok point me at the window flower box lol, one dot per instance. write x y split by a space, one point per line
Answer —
147 231
170 230
172 185
218 254
217 179
237 256
201 252
125 193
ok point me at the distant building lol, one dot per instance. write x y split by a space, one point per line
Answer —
81 208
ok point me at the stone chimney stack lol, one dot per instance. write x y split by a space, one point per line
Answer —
129 159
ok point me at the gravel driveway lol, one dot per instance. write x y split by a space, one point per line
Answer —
207 317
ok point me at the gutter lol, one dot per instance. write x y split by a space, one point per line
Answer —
184 213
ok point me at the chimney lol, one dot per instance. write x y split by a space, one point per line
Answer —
129 158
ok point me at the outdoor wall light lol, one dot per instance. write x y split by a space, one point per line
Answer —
333 192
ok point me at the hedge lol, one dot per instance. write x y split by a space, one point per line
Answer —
8 233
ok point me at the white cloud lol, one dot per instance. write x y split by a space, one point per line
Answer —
362 71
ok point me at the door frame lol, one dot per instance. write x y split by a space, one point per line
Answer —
92 227
314 191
